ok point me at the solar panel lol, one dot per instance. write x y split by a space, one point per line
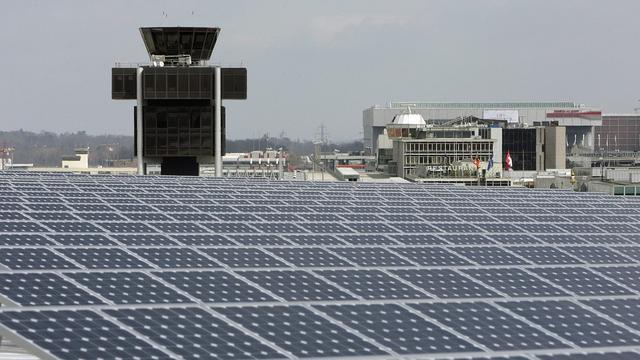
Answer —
397 328
175 257
309 257
79 334
597 254
466 239
81 240
515 282
295 285
213 286
33 258
369 239
128 287
489 255
23 240
581 281
574 323
373 284
34 289
370 256
444 283
179 326
544 255
103 258
300 331
628 275
198 268
313 239
489 326
431 256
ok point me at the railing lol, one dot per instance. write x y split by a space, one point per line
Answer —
138 64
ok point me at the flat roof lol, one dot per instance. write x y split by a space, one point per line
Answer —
347 171
483 105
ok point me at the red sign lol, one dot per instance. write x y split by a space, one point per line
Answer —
558 114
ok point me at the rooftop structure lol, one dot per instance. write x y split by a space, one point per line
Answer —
179 120
253 269
579 119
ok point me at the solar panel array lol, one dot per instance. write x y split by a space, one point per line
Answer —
201 268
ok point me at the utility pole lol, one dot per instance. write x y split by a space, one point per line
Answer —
522 166
217 121
280 165
316 157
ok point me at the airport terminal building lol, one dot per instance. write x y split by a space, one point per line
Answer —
579 120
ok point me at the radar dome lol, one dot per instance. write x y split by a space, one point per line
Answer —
409 119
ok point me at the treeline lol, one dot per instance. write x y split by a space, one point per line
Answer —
299 147
47 148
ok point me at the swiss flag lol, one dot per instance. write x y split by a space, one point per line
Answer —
507 161
476 162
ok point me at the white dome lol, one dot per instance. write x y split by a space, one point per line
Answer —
409 119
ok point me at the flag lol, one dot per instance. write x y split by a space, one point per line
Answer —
507 161
476 162
490 164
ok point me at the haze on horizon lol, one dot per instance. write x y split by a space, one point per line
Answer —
324 61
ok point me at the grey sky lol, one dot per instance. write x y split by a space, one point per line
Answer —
313 62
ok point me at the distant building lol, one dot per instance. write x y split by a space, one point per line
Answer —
467 149
80 159
613 181
579 120
618 133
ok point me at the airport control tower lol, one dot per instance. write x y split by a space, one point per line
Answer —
179 120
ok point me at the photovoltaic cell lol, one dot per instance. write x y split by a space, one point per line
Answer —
175 258
128 287
300 331
372 284
488 255
178 326
180 251
544 255
397 328
443 283
515 282
243 257
32 258
309 257
214 286
370 256
489 326
574 323
295 285
430 256
39 289
581 281
80 334
597 255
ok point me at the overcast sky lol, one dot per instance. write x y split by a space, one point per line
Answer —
313 62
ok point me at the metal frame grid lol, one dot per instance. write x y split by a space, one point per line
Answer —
192 268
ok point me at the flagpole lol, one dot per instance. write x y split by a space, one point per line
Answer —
522 166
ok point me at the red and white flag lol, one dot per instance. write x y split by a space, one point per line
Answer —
507 161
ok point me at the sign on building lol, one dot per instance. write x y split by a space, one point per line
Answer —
511 116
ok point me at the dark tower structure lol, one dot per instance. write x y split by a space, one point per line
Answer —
179 120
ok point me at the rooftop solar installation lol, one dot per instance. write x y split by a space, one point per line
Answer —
126 267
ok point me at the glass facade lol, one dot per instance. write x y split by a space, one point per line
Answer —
521 145
179 130
618 133
443 154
